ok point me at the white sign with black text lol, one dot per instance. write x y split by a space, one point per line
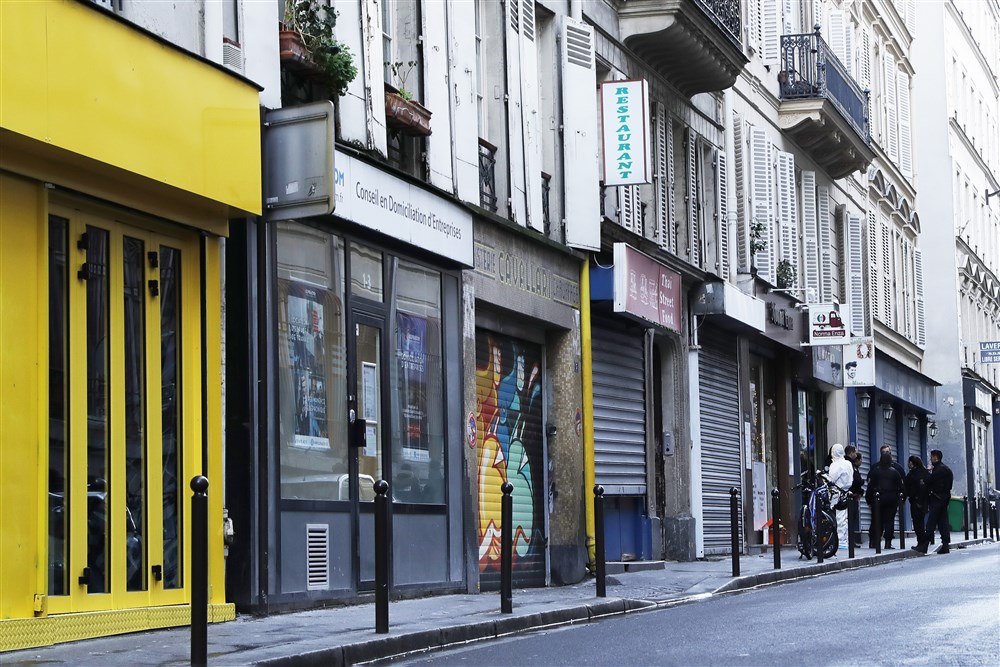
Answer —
825 325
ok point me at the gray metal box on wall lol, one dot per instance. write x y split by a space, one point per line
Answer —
299 168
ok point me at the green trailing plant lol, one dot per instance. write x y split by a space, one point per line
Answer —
315 21
786 274
400 70
757 240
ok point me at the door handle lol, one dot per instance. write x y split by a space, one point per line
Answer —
84 579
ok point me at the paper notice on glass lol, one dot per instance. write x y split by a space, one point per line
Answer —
759 495
371 439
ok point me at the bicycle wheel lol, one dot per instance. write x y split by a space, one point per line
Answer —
804 539
826 533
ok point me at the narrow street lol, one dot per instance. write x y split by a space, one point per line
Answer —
932 610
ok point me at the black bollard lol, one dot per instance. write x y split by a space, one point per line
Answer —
902 521
506 548
776 526
975 518
734 529
381 557
199 571
965 503
599 564
877 522
996 522
852 513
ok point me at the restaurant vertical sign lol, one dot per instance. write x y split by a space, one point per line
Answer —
625 131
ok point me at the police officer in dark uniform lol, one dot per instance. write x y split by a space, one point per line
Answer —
886 477
939 493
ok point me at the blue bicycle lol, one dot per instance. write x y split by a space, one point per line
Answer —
817 523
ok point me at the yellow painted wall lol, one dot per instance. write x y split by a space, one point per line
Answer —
72 78
22 338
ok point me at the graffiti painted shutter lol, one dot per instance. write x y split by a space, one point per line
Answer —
721 469
510 449
619 409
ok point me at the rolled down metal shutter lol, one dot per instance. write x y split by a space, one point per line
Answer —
721 468
864 446
619 409
913 445
509 449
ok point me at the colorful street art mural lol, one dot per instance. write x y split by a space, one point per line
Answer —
508 420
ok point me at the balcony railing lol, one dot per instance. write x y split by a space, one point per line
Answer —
487 175
725 14
811 70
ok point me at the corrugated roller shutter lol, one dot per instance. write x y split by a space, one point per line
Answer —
509 448
619 410
721 469
889 435
864 446
913 445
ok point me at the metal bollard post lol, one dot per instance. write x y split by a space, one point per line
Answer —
599 564
975 518
776 526
852 513
381 557
965 502
506 548
199 571
877 521
902 522
996 522
734 529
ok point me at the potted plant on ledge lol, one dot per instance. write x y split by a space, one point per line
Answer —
307 45
401 110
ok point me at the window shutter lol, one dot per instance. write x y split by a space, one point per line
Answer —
466 144
662 190
911 16
824 219
865 60
671 189
854 274
771 38
694 236
787 18
753 24
722 213
885 269
529 115
739 173
903 110
906 291
436 94
788 228
889 130
810 239
849 58
834 32
874 289
918 280
819 12
763 205
515 121
359 123
581 195
630 208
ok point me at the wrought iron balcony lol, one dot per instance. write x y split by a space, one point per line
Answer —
695 44
487 175
822 107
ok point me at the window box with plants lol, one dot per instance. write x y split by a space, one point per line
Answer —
307 45
402 111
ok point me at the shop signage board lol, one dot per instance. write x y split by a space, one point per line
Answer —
989 352
859 362
646 289
625 132
825 324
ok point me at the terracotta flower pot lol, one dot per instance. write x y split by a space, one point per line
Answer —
407 115
292 50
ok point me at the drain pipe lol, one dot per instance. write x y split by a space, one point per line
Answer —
587 380
575 10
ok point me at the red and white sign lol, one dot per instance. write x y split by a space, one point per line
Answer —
645 288
825 325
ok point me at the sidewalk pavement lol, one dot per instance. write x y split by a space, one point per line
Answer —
346 635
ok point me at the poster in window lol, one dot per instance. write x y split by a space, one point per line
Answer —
307 360
411 356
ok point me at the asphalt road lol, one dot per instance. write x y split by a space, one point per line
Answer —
935 610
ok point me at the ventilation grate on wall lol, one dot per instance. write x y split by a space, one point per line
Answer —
578 46
232 55
318 556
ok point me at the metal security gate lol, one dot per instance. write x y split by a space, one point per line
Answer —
510 449
721 468
913 445
619 410
864 446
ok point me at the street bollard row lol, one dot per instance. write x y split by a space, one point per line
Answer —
776 526
199 571
877 522
965 505
599 555
734 529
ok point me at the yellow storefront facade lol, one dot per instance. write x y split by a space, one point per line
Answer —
122 160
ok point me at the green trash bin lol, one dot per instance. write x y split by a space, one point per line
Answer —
956 514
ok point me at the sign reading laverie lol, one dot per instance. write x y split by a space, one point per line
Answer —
989 352
625 126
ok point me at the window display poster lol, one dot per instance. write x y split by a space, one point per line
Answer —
307 358
411 356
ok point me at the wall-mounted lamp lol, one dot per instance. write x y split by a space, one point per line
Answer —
912 420
865 399
886 411
932 429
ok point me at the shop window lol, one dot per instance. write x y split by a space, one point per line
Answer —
418 469
312 374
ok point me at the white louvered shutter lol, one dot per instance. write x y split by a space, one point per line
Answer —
918 280
739 173
788 18
818 15
907 290
874 288
771 39
694 224
824 220
810 238
849 57
865 60
360 122
515 120
854 274
788 228
763 202
903 113
466 144
529 114
627 218
754 8
911 16
671 189
581 193
834 34
436 94
890 136
722 214
885 271
662 189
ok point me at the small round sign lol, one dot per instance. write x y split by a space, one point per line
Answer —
470 431
578 421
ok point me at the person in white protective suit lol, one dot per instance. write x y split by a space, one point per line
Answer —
841 475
